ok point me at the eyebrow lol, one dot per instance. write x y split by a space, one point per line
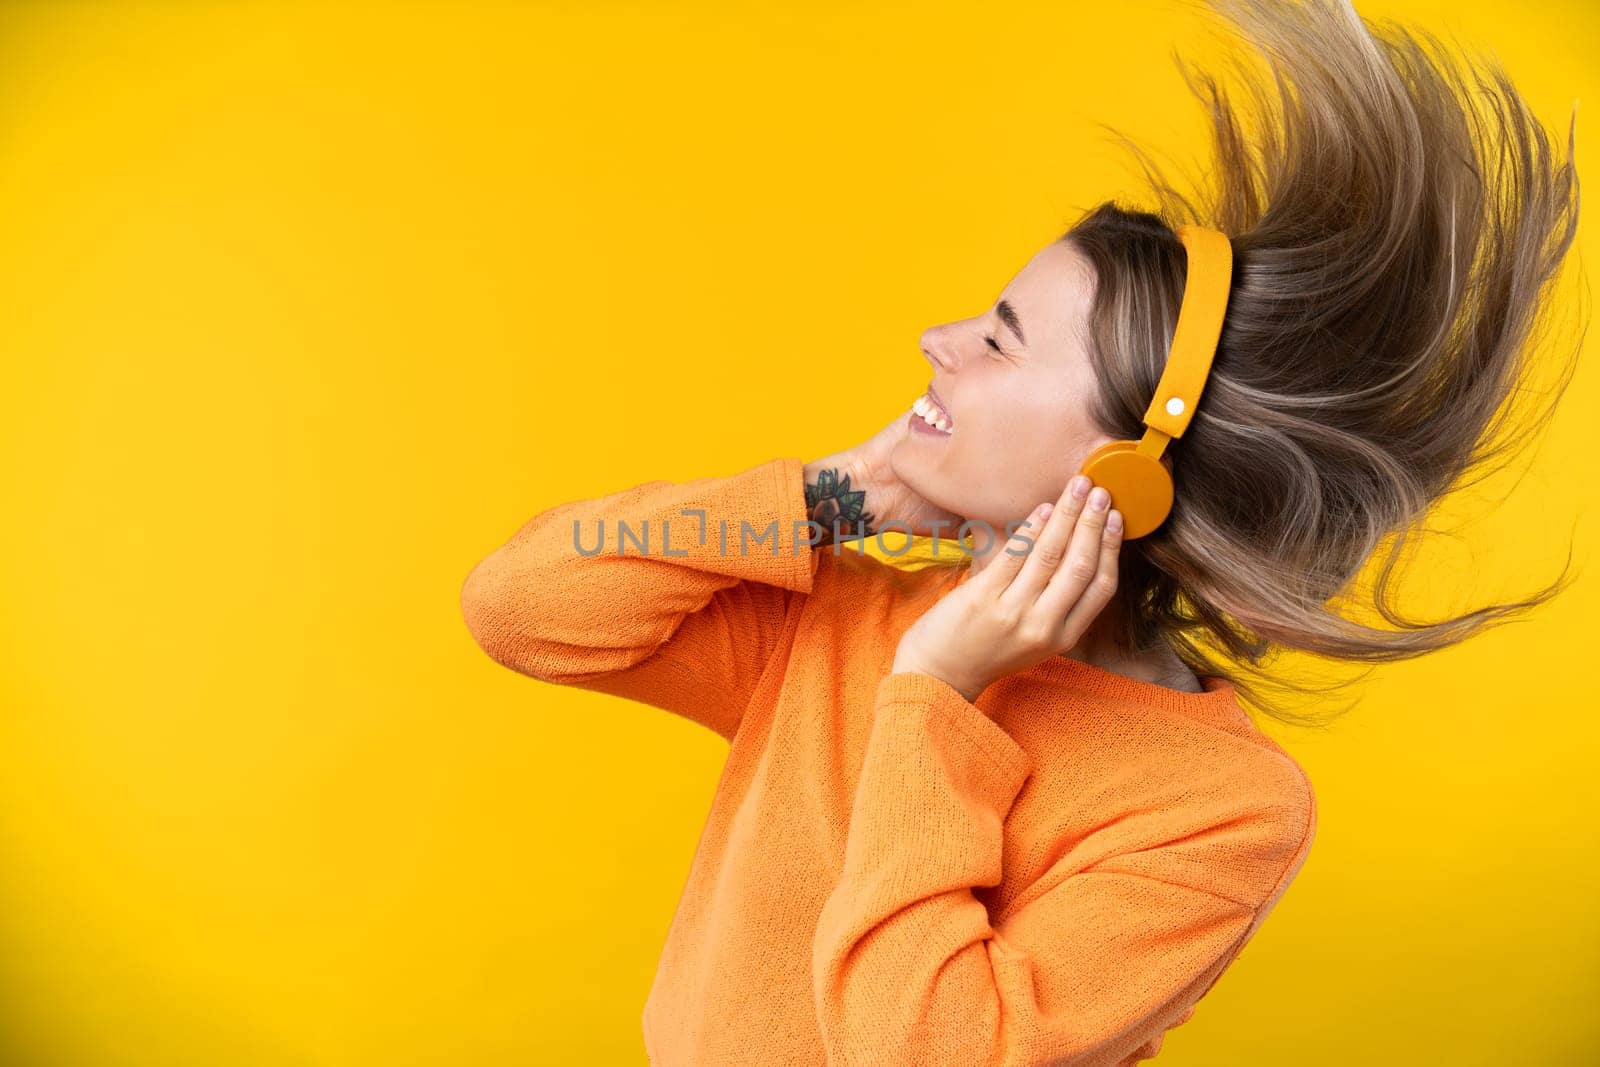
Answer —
1008 315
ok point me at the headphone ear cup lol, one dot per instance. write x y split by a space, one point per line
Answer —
1140 487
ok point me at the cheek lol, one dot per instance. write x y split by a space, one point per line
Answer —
1029 428
1025 449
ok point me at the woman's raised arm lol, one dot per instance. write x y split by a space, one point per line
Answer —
672 594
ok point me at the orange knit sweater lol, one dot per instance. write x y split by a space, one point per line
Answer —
890 874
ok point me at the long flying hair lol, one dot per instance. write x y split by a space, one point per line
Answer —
1397 219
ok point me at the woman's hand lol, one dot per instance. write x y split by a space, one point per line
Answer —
1025 605
874 495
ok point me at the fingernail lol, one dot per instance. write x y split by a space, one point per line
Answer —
1080 486
1045 510
1099 498
1114 522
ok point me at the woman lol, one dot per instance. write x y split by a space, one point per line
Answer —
1009 808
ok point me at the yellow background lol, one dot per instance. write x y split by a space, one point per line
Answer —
305 308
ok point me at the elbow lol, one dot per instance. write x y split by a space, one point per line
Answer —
514 610
488 605
542 618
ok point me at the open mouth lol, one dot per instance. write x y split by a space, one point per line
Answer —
931 412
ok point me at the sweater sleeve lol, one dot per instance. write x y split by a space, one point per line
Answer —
680 608
1090 968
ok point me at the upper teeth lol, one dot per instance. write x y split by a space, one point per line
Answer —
931 414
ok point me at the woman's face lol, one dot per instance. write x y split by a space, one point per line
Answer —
1014 383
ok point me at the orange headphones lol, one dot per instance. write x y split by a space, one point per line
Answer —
1132 471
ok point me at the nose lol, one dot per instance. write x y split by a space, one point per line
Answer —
938 346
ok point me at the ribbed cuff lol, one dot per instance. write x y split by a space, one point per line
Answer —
790 489
954 718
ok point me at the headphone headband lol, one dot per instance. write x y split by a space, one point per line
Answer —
1140 485
1194 339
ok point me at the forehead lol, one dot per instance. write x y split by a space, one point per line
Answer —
1052 295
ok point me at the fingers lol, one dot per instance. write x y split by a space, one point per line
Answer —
1086 580
1050 545
1014 553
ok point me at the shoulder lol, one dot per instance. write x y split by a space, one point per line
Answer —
1236 821
1286 803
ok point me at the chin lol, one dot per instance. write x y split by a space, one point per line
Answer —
926 483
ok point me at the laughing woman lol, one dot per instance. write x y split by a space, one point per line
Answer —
1010 809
